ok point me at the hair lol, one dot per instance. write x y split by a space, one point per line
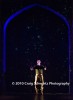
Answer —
39 60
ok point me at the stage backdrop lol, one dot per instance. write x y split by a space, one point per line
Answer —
37 33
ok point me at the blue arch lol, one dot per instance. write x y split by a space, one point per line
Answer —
19 12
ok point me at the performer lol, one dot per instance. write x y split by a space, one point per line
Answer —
39 75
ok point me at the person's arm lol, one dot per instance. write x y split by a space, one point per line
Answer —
31 68
45 68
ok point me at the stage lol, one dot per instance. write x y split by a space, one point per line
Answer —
31 31
45 96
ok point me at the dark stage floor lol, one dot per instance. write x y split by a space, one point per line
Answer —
45 96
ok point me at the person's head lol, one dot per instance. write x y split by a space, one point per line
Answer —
38 62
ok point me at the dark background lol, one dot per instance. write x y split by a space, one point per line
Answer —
58 66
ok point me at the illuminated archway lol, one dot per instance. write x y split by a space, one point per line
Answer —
21 11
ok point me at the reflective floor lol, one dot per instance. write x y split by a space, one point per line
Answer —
45 96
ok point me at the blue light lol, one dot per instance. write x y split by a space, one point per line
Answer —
18 13
4 30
